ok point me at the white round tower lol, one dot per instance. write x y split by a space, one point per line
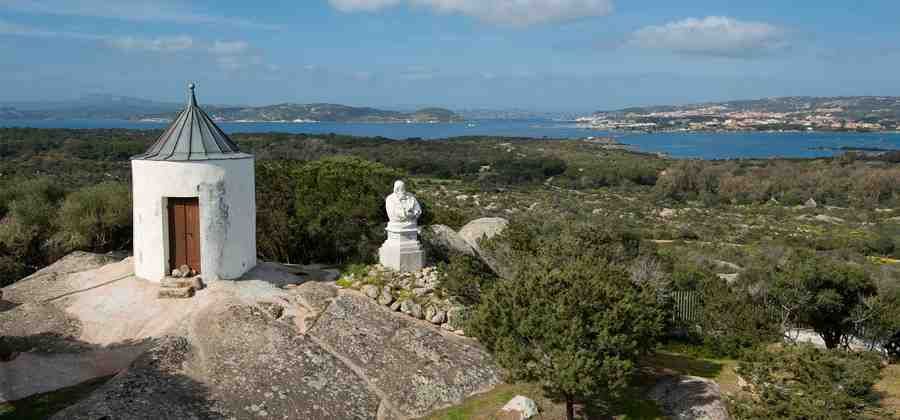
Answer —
194 201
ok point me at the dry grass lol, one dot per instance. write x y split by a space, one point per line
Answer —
889 387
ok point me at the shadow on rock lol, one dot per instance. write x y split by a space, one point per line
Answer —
153 387
47 362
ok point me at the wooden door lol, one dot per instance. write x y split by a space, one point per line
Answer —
184 233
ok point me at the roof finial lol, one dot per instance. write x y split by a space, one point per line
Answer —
192 100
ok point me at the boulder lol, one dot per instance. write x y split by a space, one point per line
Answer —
729 278
667 213
486 228
444 240
386 297
411 308
519 408
416 367
435 315
811 203
689 397
371 291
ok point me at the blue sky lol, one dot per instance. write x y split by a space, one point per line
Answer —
554 55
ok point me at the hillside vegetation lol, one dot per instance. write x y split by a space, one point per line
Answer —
765 246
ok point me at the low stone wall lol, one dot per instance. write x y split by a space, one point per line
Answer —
415 294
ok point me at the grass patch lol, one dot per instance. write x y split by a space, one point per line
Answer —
484 406
42 406
684 359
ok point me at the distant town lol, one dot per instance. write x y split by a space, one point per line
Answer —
857 114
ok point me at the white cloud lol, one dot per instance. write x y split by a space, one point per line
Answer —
229 47
717 36
15 29
131 10
164 44
506 12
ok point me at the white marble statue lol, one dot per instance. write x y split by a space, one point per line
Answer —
403 209
402 250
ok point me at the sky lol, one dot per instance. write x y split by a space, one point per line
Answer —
541 55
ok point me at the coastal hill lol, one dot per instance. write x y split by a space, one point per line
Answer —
127 108
857 113
850 107
329 113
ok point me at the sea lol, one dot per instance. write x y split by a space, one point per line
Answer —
700 145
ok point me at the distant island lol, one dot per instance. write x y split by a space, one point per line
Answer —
857 113
126 108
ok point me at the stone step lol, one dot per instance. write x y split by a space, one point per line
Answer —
176 283
175 292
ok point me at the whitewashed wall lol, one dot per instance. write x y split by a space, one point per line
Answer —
226 191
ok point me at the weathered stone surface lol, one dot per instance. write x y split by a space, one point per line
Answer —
396 306
316 295
319 354
257 367
729 278
371 291
411 308
175 282
689 397
484 229
519 408
667 213
386 297
35 365
811 204
176 292
443 239
438 318
154 387
33 320
53 280
414 365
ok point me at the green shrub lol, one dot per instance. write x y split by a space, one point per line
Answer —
571 319
277 237
732 320
339 213
11 270
465 277
803 382
825 294
96 219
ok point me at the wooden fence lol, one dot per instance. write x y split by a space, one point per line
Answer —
687 308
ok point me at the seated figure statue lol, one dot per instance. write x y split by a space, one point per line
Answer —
402 250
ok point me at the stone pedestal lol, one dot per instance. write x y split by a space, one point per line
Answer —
402 250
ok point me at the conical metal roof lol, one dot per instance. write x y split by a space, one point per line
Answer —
193 136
